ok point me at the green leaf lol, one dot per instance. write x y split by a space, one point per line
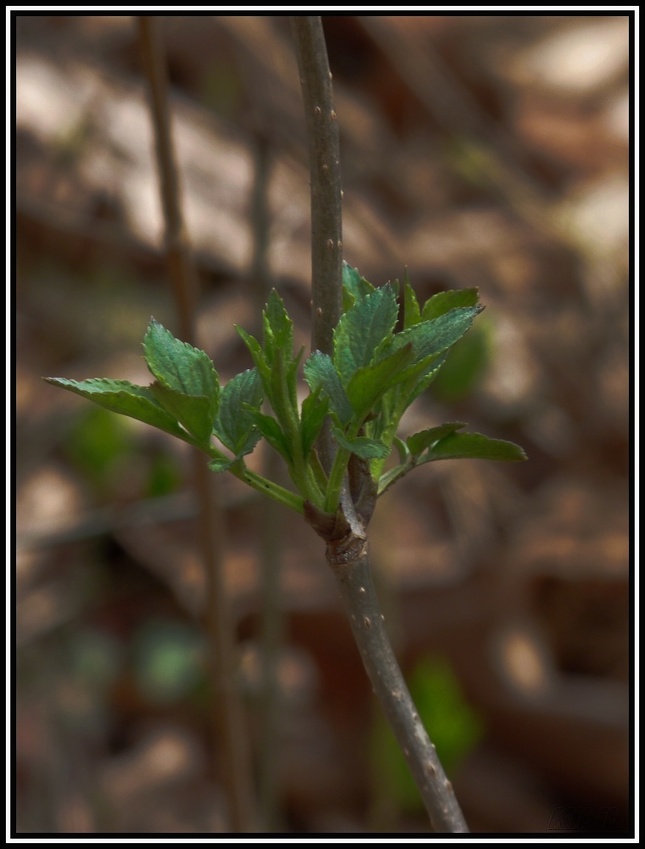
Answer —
278 328
292 378
420 378
272 432
364 330
426 438
275 364
179 366
195 412
235 423
411 309
355 287
320 373
258 356
430 338
282 395
408 385
414 380
451 299
313 412
121 396
386 480
368 384
473 446
186 385
363 446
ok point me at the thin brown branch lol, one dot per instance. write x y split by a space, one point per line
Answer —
229 724
324 160
344 533
326 193
367 622
178 257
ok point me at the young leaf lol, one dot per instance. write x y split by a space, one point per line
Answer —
258 355
186 385
235 423
179 366
278 328
386 480
426 438
419 379
411 309
363 446
292 378
364 330
272 432
474 446
451 299
368 384
313 412
429 338
409 385
195 412
274 362
320 373
121 396
282 395
355 287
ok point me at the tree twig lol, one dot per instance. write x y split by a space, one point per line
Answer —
367 623
230 729
347 548
326 193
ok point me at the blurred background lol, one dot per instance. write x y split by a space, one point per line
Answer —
487 151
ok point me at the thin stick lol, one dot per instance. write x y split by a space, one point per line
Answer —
230 726
178 257
326 194
367 622
347 548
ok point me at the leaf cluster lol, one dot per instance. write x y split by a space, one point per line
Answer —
362 389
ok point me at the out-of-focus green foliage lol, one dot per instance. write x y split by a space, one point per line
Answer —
95 443
167 660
